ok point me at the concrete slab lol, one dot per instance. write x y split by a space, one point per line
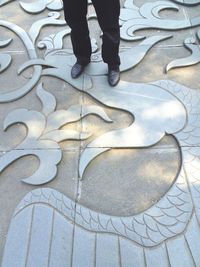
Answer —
65 96
148 71
9 85
97 126
44 222
128 195
145 24
13 190
116 182
15 134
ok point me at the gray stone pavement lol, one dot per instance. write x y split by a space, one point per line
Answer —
92 175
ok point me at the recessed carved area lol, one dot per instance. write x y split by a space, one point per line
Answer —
94 175
129 181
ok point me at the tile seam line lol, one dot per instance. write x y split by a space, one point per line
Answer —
78 180
122 46
82 148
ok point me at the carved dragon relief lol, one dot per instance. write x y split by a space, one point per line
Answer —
175 107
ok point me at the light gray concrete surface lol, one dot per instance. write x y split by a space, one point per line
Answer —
112 198
128 181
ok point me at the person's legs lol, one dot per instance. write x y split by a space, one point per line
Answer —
108 12
75 15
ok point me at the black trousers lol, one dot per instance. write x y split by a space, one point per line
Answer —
108 17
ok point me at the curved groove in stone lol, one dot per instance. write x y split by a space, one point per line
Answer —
10 157
5 61
21 33
61 58
48 100
44 175
37 26
16 94
33 120
127 13
54 42
41 5
166 220
128 61
129 28
188 61
6 42
74 113
151 20
195 21
58 39
34 62
64 135
87 156
147 128
47 151
198 35
95 110
64 74
157 220
43 134
130 4
187 2
4 2
36 7
55 5
152 10
189 138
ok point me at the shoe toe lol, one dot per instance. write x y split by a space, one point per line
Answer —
77 70
113 78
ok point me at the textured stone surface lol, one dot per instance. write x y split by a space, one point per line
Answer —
13 189
138 203
145 72
118 184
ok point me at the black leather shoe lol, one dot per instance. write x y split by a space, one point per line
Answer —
77 70
113 75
